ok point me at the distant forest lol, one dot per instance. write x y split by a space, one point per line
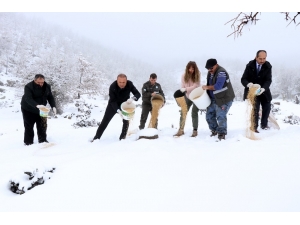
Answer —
74 65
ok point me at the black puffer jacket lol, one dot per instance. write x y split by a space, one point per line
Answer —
117 95
263 78
36 95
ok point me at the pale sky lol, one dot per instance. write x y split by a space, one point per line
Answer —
157 38
159 32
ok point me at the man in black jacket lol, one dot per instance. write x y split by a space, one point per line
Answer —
119 92
149 89
36 95
259 71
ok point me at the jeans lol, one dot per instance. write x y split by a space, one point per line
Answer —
216 116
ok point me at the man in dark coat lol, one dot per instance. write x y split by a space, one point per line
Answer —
149 89
36 95
259 71
119 92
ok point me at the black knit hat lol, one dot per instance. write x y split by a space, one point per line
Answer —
178 94
210 63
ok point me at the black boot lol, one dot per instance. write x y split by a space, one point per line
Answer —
221 136
26 144
124 129
213 133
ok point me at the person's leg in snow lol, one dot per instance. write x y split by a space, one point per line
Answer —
41 126
221 115
124 129
29 120
108 115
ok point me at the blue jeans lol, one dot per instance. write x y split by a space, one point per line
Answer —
216 116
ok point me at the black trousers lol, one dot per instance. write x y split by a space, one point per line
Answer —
108 115
146 108
29 120
266 108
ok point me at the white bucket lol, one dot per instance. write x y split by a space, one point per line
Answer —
128 110
200 98
44 112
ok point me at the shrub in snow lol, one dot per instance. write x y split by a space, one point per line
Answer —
86 123
2 90
1 83
293 120
11 83
20 184
275 108
69 116
84 113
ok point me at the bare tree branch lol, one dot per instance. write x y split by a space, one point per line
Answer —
242 19
287 18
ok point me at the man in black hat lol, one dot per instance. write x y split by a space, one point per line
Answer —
259 71
36 95
221 93
149 89
119 92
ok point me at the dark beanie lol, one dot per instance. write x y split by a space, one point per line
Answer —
210 63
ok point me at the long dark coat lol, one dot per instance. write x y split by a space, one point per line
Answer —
263 78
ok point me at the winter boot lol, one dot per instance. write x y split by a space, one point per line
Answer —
195 133
265 127
26 144
213 133
124 129
221 136
179 133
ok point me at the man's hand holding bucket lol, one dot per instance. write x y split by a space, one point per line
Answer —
130 100
40 106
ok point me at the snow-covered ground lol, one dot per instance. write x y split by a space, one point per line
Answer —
162 175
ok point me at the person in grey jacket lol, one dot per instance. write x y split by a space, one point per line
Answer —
36 95
149 89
